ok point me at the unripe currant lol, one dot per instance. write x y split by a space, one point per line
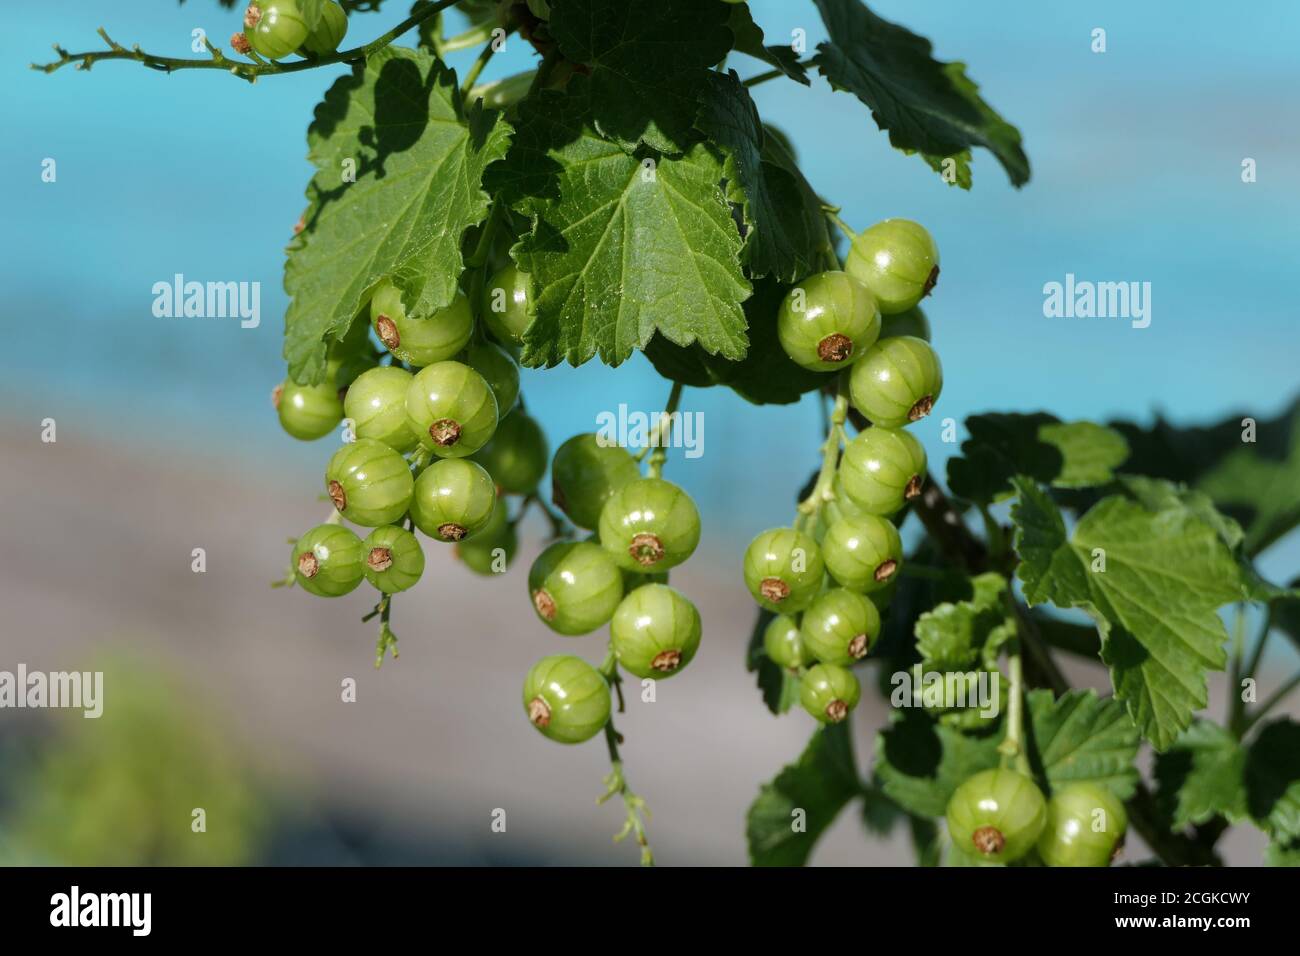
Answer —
575 586
863 553
451 409
783 643
882 469
499 370
275 28
897 260
997 815
840 627
655 631
308 412
394 559
516 456
453 499
492 549
376 403
650 525
783 569
912 322
506 305
828 321
328 561
1085 826
829 692
369 483
585 474
566 698
897 382
420 341
329 32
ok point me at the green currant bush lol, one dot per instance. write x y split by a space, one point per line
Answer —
420 341
376 403
499 370
828 321
783 643
575 587
897 260
275 28
329 32
840 627
784 569
650 525
308 412
882 469
585 474
492 549
451 409
655 631
898 381
912 322
328 561
1085 826
506 305
566 698
517 454
394 559
996 814
453 499
369 483
829 692
863 553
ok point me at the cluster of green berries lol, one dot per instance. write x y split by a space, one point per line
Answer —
276 28
1000 816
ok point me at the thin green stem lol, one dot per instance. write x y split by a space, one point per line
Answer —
1257 652
472 37
773 74
387 639
657 446
1272 701
616 780
1012 747
472 75
834 216
1234 669
823 489
560 527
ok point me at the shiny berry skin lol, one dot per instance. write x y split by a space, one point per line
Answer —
783 643
492 549
882 469
996 815
1085 826
912 322
784 569
308 412
650 525
655 631
828 321
394 559
499 370
376 403
328 561
840 627
897 382
517 454
453 499
898 261
829 692
420 341
369 483
451 409
863 553
275 28
566 698
506 305
575 587
329 32
585 474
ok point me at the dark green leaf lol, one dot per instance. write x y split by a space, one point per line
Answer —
919 762
1082 738
780 688
749 40
952 635
1272 776
1201 776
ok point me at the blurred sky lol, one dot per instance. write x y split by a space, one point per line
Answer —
1136 156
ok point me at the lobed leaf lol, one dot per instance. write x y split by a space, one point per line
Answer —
1082 738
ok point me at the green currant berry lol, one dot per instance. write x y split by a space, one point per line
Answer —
1085 826
828 321
840 627
420 341
451 409
453 499
566 698
499 370
998 814
394 559
783 569
376 403
882 469
275 28
506 305
912 322
650 525
655 631
329 32
328 560
517 454
369 483
863 553
308 412
898 261
829 692
575 587
493 548
896 382
585 474
783 643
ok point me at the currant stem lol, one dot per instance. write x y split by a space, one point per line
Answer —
834 216
658 443
616 780
479 33
1237 721
1273 700
1235 703
823 491
471 77
773 74
560 527
387 639
1012 747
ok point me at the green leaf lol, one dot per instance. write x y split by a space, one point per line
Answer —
749 40
780 688
879 813
1201 776
1272 776
648 63
952 635
1082 738
419 162
820 784
926 106
1165 574
1156 494
919 762
1283 853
